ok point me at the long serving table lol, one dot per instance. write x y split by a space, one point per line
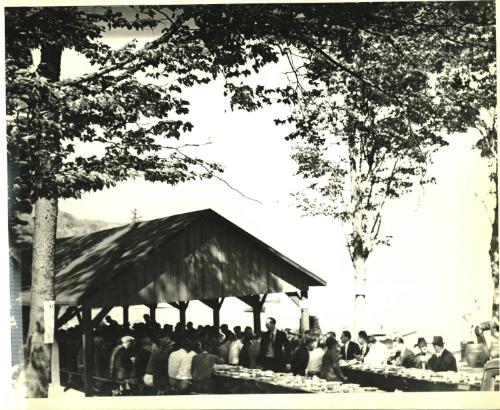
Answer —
391 378
238 380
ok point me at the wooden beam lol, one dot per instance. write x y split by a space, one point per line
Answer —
295 297
68 314
78 316
87 351
126 323
100 316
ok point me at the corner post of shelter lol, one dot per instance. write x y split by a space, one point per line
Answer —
55 375
215 305
304 311
152 311
126 323
88 355
300 299
256 303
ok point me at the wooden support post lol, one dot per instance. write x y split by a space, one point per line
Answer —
55 375
256 303
88 356
182 306
126 323
215 305
304 312
152 311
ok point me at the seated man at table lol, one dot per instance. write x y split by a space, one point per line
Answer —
364 344
402 355
274 351
349 349
423 355
201 369
442 360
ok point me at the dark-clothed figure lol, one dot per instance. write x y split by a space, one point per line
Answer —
442 360
201 370
364 344
330 369
244 358
423 355
300 357
157 366
274 348
349 349
402 355
121 365
141 362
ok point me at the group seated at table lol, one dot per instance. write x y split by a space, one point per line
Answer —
148 359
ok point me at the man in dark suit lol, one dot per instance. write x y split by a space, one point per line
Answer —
402 355
442 360
274 351
349 349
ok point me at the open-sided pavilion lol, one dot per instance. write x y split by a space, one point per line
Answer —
194 256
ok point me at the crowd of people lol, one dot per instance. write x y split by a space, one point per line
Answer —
150 359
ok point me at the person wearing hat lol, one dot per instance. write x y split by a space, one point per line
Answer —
157 368
442 360
423 355
121 364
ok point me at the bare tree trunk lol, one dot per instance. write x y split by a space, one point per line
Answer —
359 262
42 289
494 250
42 271
359 252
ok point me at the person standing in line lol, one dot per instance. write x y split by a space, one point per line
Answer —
349 348
235 349
300 357
330 369
443 360
201 370
315 359
184 376
121 364
244 358
157 368
253 351
274 351
174 361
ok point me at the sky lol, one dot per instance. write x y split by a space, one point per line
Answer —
435 271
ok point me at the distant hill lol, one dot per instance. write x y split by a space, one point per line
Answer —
70 225
67 225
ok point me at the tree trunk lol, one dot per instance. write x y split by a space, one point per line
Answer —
358 250
494 251
42 289
359 263
38 362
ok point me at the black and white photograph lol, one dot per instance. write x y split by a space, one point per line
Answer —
251 202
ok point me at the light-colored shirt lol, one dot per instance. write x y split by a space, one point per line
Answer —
234 351
174 362
315 359
184 372
377 355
